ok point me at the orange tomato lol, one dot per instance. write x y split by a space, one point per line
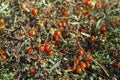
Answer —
3 57
78 70
2 51
32 32
35 12
60 24
50 53
80 52
2 26
41 48
76 61
83 65
64 12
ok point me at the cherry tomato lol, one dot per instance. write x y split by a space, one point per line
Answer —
41 48
47 47
23 6
87 2
103 29
30 51
76 61
50 53
64 13
35 12
60 24
3 57
78 70
32 32
58 33
83 65
80 52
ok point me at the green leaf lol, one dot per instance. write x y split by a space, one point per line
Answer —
55 66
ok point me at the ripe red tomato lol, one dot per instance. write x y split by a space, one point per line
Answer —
47 47
58 33
103 29
117 65
80 52
35 12
30 51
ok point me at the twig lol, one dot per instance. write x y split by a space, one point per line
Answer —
103 68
